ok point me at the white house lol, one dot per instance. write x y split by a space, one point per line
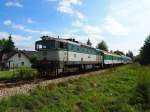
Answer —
18 59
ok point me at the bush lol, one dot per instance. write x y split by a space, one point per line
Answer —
25 73
141 96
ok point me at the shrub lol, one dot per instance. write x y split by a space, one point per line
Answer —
25 73
141 96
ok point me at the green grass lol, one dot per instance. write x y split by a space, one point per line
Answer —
22 73
6 75
112 91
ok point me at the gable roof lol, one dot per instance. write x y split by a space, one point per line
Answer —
28 54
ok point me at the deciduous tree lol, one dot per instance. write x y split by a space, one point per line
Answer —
119 52
102 46
129 54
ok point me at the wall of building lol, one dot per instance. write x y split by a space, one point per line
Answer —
18 60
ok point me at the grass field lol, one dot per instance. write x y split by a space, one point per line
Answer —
22 73
117 90
6 75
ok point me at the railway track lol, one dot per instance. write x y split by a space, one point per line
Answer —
20 87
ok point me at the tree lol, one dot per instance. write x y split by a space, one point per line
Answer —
129 54
119 52
33 60
7 45
102 46
3 44
10 45
145 52
89 42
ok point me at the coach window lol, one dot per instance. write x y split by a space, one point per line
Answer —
78 49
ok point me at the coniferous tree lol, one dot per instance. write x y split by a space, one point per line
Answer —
102 46
89 42
10 44
145 52
7 45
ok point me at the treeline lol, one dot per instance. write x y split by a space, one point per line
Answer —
143 57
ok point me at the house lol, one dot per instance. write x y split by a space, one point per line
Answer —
0 61
17 59
1 48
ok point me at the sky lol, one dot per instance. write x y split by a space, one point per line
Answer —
122 24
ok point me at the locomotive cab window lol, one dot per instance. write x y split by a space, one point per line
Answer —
49 44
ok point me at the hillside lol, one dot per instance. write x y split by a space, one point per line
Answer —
112 91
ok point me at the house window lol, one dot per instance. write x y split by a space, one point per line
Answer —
22 63
19 55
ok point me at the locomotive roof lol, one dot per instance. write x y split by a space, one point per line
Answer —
109 53
72 41
65 41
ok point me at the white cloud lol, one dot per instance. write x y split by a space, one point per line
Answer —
82 31
77 23
125 26
20 41
133 17
13 4
114 27
80 15
67 6
16 38
18 26
91 29
3 35
7 22
29 20
25 29
86 28
47 33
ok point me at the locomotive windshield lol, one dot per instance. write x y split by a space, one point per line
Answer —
45 45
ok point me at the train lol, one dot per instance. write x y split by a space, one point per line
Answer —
58 54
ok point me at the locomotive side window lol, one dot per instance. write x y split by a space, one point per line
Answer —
50 44
61 45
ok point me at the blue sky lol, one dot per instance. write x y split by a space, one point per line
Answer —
123 24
